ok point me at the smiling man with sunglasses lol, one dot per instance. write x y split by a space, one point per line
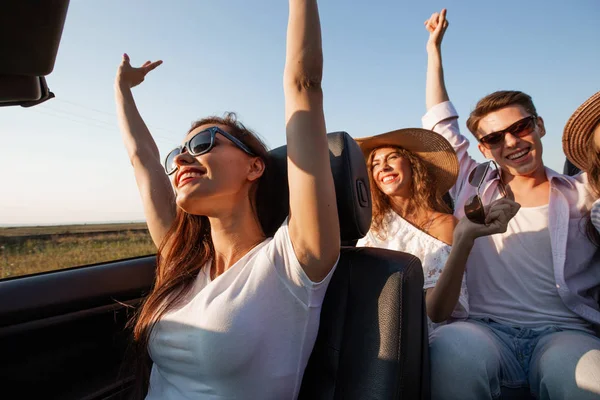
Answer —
533 290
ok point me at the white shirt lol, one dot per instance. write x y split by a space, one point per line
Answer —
520 290
575 260
433 253
247 334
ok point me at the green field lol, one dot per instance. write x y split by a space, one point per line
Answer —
29 250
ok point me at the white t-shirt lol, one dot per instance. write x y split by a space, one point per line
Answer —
515 283
247 334
433 253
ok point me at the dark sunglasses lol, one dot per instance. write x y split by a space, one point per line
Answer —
522 127
474 209
201 143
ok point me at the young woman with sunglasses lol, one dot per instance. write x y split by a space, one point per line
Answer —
234 312
410 171
581 144
533 290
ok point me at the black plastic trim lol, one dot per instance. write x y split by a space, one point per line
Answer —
64 292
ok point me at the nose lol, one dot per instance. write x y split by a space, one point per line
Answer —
183 158
510 140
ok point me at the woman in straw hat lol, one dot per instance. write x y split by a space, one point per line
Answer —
410 170
581 144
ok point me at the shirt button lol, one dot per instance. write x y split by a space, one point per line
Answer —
557 286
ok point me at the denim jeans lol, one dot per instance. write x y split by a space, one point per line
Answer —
482 359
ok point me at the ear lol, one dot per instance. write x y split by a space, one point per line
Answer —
485 151
541 126
256 168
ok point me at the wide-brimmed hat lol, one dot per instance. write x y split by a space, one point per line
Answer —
578 131
433 149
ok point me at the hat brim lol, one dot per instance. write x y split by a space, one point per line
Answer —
433 149
578 132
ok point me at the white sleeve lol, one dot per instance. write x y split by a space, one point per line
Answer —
443 119
291 272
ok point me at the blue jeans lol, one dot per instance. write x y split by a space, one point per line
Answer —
482 359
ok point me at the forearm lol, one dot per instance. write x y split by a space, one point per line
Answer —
153 184
443 297
435 88
137 138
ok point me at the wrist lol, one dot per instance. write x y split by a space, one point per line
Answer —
433 49
121 86
463 239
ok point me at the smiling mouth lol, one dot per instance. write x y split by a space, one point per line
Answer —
518 155
189 176
388 179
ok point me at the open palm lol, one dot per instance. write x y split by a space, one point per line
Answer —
131 76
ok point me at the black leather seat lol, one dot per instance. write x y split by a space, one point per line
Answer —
570 169
372 341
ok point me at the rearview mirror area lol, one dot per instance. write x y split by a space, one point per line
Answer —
22 90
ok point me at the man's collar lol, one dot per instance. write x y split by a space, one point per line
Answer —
550 174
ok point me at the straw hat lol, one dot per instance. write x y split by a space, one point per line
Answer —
578 131
433 149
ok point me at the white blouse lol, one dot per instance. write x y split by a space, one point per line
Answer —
433 253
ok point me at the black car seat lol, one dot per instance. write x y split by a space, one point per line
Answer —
372 341
570 169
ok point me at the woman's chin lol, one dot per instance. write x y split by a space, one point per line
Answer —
190 204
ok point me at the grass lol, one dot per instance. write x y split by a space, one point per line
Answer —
29 250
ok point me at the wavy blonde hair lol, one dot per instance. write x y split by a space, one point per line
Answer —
424 194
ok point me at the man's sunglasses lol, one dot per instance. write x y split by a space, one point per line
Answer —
520 128
474 209
201 143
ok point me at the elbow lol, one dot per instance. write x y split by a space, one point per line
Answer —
436 312
304 75
303 82
437 316
140 156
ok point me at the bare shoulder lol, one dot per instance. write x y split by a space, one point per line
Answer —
442 226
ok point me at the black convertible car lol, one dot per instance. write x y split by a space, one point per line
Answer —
63 334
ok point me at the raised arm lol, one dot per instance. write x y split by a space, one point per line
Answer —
153 184
435 91
441 116
313 224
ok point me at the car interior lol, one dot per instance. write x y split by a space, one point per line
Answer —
64 335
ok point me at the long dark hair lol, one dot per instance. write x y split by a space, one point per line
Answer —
188 246
424 194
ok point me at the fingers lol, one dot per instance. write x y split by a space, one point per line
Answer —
432 22
442 23
149 66
502 210
125 59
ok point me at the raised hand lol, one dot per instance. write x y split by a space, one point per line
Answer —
436 25
497 216
129 76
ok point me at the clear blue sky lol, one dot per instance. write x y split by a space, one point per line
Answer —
64 161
